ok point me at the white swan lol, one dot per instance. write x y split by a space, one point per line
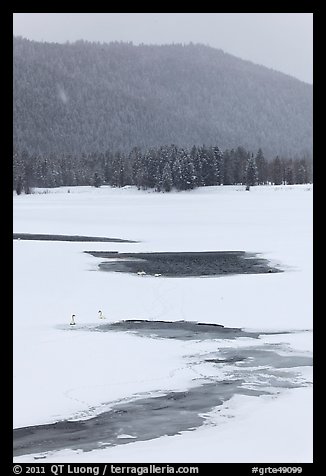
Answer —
72 322
100 315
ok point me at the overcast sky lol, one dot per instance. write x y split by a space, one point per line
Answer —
282 41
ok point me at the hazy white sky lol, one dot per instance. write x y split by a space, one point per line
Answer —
282 41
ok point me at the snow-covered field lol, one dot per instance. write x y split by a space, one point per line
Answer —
63 374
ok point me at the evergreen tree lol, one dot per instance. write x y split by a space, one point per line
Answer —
177 174
240 158
151 166
167 181
218 160
197 161
211 164
128 173
28 172
251 172
158 180
19 185
97 180
301 172
262 171
276 171
139 179
188 177
228 177
18 171
289 178
117 174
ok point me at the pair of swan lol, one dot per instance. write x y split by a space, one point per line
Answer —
143 273
73 323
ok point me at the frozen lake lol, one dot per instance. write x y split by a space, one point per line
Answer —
90 376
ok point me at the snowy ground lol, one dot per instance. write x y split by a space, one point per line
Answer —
59 374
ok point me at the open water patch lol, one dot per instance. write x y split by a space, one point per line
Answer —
184 264
43 237
182 330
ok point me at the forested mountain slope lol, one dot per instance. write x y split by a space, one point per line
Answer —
85 97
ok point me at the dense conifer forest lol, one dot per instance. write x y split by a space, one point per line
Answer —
162 169
86 97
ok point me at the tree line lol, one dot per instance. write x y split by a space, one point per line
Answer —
163 169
